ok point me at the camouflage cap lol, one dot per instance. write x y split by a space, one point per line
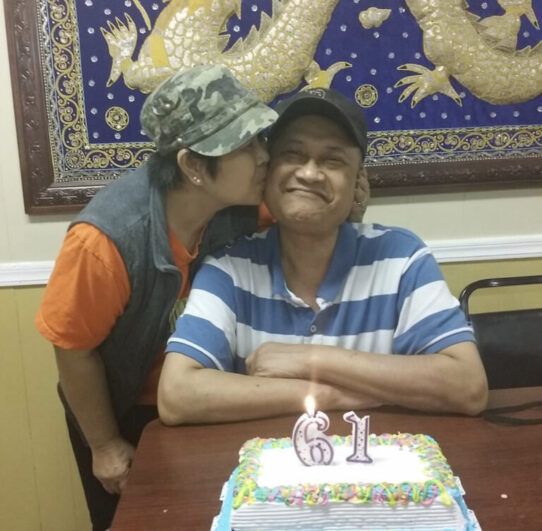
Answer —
206 109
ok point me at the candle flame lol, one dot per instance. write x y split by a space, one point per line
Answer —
310 405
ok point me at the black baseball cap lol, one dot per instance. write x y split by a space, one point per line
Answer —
324 102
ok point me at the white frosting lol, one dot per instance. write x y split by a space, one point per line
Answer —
349 517
391 464
280 466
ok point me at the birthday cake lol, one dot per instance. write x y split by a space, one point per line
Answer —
408 485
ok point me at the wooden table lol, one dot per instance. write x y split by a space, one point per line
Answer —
178 473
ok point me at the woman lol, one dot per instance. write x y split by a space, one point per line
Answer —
123 272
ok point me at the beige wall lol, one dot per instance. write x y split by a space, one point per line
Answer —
22 238
39 486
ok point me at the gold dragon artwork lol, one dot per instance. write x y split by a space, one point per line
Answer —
274 58
479 53
271 60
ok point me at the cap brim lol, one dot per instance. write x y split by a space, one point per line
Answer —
238 132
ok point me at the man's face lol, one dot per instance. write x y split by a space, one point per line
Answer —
312 174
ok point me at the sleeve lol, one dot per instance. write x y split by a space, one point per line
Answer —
430 318
86 293
206 331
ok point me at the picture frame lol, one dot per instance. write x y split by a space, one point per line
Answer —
44 193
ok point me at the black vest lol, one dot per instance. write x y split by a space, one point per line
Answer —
130 211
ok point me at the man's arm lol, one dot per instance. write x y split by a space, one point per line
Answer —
452 380
83 382
190 393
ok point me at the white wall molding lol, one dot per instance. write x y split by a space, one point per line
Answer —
25 273
480 249
446 251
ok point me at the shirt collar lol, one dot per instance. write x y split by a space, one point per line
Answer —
277 276
341 262
159 239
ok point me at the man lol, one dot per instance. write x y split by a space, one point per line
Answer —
123 273
317 305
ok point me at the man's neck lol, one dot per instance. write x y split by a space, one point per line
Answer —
305 261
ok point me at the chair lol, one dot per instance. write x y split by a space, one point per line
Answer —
510 342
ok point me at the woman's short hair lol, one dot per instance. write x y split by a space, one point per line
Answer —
166 173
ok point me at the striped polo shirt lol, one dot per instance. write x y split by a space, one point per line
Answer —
383 293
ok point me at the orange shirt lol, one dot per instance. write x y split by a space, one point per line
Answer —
265 219
89 289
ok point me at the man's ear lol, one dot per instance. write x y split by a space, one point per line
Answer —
362 194
191 166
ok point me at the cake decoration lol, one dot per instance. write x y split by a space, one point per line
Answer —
409 485
441 483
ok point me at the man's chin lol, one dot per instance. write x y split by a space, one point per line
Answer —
303 217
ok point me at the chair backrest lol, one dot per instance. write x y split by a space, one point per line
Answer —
510 342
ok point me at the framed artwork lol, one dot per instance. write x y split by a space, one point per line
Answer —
451 89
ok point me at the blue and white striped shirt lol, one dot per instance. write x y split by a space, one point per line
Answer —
383 293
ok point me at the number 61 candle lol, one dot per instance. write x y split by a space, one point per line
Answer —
360 434
311 444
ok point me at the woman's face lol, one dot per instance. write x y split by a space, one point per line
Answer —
240 175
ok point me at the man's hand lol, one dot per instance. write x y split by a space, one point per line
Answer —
111 464
283 360
343 399
280 360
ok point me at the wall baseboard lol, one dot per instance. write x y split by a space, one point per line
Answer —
445 251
